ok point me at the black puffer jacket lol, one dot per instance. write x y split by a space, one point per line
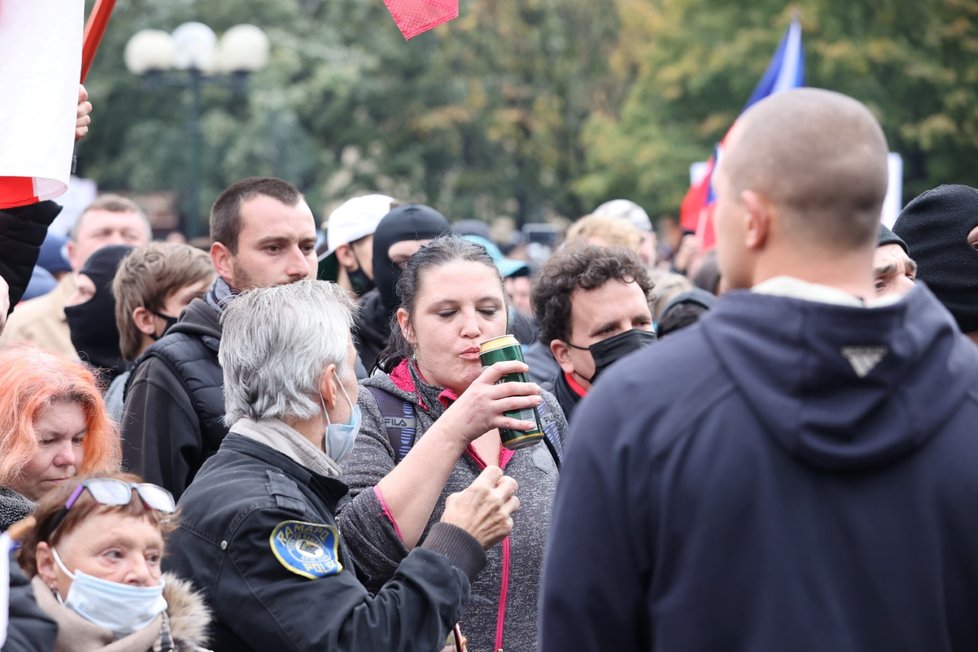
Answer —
174 405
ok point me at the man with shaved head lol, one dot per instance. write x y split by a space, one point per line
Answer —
805 479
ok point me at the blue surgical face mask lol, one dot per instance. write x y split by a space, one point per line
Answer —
340 437
121 608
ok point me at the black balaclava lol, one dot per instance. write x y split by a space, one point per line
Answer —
92 324
407 222
935 225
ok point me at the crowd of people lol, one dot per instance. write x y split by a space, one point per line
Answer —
290 440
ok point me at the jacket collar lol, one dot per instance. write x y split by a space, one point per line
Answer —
280 436
330 490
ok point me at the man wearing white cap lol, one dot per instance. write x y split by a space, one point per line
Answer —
350 236
629 210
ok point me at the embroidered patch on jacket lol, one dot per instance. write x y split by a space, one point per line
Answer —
307 549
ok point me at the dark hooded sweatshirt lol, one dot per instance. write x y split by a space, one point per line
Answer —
807 479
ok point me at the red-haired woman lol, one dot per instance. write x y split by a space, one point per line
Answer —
53 426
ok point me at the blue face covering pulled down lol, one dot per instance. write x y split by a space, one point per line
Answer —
340 437
120 608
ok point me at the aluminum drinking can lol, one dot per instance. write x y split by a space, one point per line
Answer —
499 349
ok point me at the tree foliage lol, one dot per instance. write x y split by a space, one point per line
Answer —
689 65
522 108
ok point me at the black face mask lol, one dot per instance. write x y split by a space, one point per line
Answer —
359 281
92 324
611 350
168 320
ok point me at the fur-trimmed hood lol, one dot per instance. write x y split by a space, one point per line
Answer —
187 617
189 614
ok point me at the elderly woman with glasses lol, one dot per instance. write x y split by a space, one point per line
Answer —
94 552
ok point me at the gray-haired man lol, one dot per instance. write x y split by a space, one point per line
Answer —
258 532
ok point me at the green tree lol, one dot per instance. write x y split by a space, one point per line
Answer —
524 108
479 117
689 65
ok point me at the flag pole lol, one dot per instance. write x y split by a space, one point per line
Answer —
94 30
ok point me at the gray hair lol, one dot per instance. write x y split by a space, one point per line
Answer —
276 344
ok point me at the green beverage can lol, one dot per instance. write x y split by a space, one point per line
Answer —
499 349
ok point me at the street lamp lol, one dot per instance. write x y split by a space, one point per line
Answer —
191 57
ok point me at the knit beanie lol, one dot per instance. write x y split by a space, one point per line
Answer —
407 222
887 237
935 225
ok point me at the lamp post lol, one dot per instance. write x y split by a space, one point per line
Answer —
190 58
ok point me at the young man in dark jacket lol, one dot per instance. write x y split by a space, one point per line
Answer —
264 234
802 476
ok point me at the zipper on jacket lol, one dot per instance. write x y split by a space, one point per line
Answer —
504 585
503 591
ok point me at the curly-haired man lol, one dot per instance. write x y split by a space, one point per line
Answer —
592 304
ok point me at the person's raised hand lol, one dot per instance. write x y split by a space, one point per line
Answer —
485 508
482 405
83 118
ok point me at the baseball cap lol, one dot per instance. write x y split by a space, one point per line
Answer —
355 219
626 209
507 267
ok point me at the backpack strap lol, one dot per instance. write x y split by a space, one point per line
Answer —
399 419
551 434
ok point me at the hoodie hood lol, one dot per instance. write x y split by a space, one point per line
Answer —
200 319
844 388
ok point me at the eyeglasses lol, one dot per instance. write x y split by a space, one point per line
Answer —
115 493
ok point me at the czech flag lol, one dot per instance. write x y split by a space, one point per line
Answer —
786 71
40 65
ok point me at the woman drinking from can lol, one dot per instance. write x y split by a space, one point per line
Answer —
446 430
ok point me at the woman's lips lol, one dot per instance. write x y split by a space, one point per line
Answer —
471 353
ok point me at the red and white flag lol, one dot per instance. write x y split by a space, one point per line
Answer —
40 65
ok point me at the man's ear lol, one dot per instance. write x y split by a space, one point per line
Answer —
758 216
221 257
71 251
328 386
345 257
145 321
561 353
